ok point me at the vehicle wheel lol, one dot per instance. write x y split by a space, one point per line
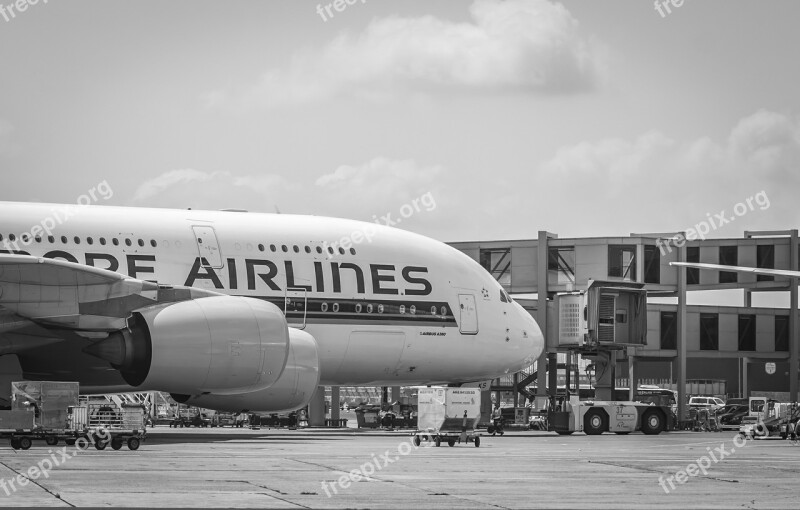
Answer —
51 440
652 422
477 441
416 441
438 441
502 432
116 444
24 443
133 443
101 445
595 422
451 442
70 442
15 443
182 425
564 432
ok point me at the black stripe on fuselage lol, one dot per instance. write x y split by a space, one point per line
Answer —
364 311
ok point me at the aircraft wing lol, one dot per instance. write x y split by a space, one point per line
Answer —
64 294
739 269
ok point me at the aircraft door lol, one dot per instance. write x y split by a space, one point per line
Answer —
208 246
469 314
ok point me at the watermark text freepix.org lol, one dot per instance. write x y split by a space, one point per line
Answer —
56 459
336 5
58 217
711 223
376 463
424 202
702 464
7 11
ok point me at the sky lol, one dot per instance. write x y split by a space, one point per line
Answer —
466 120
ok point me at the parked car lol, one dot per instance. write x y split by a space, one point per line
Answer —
711 403
730 416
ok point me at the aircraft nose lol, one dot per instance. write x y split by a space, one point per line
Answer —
527 331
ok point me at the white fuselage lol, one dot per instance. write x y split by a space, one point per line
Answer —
386 306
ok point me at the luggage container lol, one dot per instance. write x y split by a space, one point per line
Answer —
52 411
448 414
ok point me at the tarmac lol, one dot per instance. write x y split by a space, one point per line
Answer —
316 468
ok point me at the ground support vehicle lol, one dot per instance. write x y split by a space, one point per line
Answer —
595 417
768 418
448 415
52 412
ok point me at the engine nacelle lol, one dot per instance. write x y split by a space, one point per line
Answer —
293 390
223 345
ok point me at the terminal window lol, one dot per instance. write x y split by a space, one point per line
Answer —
622 261
692 273
561 264
709 332
498 263
747 332
728 256
669 330
765 259
652 265
782 333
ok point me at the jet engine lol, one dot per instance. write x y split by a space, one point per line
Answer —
222 344
293 389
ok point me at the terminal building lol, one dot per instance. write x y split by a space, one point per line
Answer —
747 348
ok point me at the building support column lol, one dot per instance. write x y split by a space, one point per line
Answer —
682 341
316 408
335 416
541 313
794 332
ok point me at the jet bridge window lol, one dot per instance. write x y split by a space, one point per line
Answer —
498 263
561 264
622 262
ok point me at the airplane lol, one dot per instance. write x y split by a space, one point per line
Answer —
244 312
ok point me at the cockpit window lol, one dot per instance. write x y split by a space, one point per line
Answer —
503 296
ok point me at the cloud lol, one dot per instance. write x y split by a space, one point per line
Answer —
364 191
657 183
210 190
509 45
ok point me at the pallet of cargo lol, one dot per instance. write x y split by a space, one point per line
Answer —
448 415
53 412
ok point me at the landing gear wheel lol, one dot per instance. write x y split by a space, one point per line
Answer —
133 443
116 444
438 441
652 422
451 442
477 441
51 440
417 441
595 422
24 443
